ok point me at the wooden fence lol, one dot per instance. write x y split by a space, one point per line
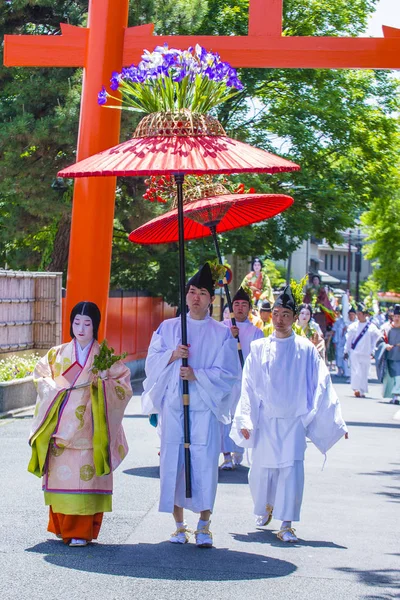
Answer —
30 310
31 307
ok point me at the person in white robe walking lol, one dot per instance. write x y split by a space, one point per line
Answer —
361 339
339 340
287 395
247 332
212 372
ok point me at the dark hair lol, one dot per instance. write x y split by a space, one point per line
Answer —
308 307
254 260
87 309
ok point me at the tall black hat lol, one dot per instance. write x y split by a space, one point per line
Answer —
241 295
361 307
88 309
286 299
265 305
202 279
396 310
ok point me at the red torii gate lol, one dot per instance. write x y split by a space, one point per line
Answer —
105 46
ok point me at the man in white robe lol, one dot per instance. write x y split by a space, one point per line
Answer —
287 395
213 370
361 339
247 332
339 339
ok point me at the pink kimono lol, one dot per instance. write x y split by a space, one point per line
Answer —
69 466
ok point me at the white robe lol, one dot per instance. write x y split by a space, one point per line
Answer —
360 357
212 355
287 395
247 334
339 339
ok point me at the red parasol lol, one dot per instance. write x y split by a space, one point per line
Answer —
179 144
230 211
193 146
210 216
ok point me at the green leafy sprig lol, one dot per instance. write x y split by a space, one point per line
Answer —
105 358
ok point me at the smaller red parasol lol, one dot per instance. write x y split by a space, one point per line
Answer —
209 216
224 212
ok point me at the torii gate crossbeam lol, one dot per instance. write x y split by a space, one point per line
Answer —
105 46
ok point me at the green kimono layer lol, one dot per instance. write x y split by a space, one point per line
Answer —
84 503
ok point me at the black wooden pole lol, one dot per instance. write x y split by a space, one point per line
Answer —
179 177
226 288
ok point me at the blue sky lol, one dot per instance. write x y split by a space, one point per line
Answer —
387 13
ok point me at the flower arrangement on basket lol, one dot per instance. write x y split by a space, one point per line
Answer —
171 80
161 188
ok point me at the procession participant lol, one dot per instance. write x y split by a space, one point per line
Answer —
258 282
213 371
352 315
339 340
77 437
265 313
241 305
255 319
310 328
389 322
361 338
391 340
276 413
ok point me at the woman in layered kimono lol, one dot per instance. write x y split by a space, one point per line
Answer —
259 283
77 437
310 328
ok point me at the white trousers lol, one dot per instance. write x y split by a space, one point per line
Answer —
227 443
359 368
282 488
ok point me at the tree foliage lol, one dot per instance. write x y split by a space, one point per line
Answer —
382 225
337 124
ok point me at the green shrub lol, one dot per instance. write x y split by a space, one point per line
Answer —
17 367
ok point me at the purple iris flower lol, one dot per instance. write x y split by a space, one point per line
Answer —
102 96
114 80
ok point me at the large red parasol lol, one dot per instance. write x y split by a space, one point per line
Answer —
193 146
179 144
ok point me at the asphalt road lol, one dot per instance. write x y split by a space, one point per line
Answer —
350 526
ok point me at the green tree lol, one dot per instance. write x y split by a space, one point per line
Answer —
382 225
338 125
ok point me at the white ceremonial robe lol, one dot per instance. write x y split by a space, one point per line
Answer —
360 357
247 334
287 395
212 355
339 339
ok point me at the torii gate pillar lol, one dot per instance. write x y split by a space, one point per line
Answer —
89 263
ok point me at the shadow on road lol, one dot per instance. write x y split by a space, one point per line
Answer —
383 578
366 424
136 417
266 536
151 472
164 561
239 475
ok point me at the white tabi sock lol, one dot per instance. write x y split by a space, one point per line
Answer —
179 525
202 524
286 524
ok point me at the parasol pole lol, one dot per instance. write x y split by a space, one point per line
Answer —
213 228
179 177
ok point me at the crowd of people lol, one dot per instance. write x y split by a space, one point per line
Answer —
282 395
